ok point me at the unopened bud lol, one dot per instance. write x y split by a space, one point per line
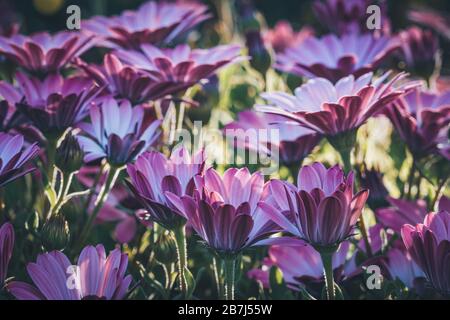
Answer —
55 234
260 56
69 155
165 249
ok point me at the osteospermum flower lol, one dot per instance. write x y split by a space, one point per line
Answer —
322 210
282 36
302 264
53 104
153 175
117 132
253 131
14 158
127 82
154 22
419 48
96 276
344 16
224 210
421 119
333 58
42 53
428 243
433 19
372 179
402 212
181 64
6 250
402 267
334 109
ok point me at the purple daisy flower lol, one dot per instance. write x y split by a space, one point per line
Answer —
117 132
402 212
224 212
13 158
419 50
45 53
428 243
333 58
401 266
323 207
301 264
154 23
53 104
282 36
181 64
128 82
153 175
333 109
421 119
96 276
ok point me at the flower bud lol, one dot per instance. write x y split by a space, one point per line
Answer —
165 248
55 234
69 155
260 56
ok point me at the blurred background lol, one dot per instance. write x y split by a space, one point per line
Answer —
38 15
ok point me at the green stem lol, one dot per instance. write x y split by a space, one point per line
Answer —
111 178
438 193
327 261
93 188
229 264
217 268
346 159
51 153
180 240
412 173
66 181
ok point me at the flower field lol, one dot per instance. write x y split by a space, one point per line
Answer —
223 150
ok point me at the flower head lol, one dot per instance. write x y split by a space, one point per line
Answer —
301 264
402 267
127 82
181 65
252 131
402 212
153 175
372 179
419 49
282 36
154 22
6 250
117 132
53 104
96 276
333 109
333 58
224 212
43 53
321 210
421 119
14 158
433 19
428 243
